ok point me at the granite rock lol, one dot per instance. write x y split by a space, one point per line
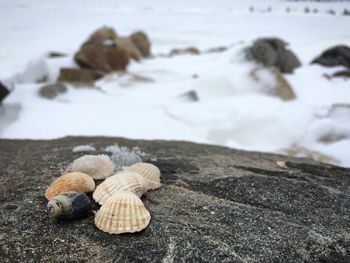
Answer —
216 205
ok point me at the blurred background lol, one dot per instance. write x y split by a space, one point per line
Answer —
261 75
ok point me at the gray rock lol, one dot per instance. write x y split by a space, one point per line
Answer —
273 52
334 56
3 92
216 205
52 91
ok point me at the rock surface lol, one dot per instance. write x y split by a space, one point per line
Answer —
216 205
273 52
334 56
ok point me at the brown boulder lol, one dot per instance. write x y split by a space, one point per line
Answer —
77 75
102 34
102 57
142 42
128 45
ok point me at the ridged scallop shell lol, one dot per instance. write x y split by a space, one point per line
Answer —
125 181
69 205
149 171
97 166
75 181
123 212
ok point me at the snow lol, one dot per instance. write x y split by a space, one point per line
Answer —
83 148
233 110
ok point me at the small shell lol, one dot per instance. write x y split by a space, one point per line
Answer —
125 181
97 166
75 181
69 205
125 159
149 171
123 212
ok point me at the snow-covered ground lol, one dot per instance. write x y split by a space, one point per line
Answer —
232 110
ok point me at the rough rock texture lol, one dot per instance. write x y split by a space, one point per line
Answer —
273 52
51 91
280 88
334 56
216 205
76 75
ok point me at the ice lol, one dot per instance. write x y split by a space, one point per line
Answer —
84 148
232 110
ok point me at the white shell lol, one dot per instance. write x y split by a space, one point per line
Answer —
149 171
125 181
97 166
123 212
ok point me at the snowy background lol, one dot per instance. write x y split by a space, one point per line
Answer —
233 109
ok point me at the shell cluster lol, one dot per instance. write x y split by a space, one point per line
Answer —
122 210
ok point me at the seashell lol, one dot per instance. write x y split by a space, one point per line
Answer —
125 181
149 171
97 166
75 181
125 159
123 212
69 205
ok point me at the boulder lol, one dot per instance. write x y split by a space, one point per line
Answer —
102 34
51 91
142 42
104 57
76 75
127 44
3 92
334 56
280 87
273 52
215 205
184 51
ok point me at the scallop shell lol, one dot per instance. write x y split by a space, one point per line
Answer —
75 181
97 166
125 181
69 205
123 212
149 171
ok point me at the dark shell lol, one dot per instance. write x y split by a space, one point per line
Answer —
69 205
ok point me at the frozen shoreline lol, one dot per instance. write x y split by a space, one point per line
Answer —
232 109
